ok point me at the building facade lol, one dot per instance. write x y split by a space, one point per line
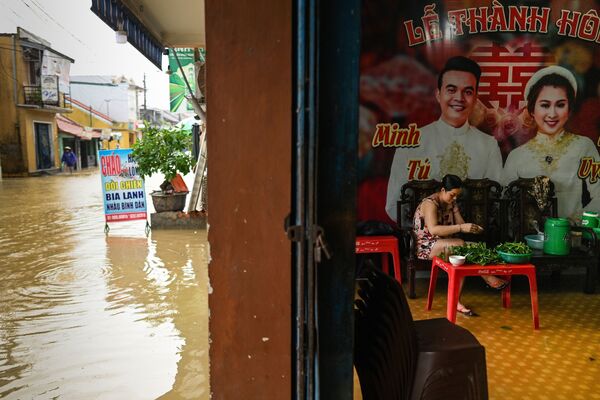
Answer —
83 140
32 91
160 118
114 97
111 134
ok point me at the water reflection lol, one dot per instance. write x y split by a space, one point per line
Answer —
88 316
187 287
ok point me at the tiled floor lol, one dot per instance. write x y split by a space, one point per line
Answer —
560 361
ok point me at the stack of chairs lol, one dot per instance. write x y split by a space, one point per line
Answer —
398 358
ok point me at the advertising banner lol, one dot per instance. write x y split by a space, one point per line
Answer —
479 89
123 189
57 66
177 87
49 89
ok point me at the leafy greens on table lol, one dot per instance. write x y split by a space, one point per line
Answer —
476 253
514 248
479 253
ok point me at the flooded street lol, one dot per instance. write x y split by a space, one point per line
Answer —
89 316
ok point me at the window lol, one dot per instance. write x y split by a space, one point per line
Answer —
33 60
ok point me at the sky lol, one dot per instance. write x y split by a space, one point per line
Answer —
73 30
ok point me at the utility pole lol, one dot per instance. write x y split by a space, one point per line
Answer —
144 94
107 101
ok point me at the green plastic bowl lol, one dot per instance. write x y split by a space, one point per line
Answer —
514 258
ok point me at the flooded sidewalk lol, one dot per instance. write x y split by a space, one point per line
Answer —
89 316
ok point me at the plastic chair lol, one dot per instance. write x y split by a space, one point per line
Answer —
384 245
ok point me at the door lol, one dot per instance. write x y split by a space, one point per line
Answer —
84 154
324 207
43 145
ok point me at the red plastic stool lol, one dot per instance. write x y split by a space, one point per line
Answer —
381 244
457 273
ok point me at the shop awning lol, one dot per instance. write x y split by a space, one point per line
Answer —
152 25
119 17
71 127
68 126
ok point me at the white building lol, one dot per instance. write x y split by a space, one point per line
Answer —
161 118
115 96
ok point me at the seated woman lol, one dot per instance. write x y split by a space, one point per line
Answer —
437 219
555 152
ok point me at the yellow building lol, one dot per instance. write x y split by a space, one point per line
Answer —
98 124
82 140
33 84
123 135
115 135
117 98
86 116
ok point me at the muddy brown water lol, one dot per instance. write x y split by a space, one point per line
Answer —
89 316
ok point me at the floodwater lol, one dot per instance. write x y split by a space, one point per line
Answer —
84 315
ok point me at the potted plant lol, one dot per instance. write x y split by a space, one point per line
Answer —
165 151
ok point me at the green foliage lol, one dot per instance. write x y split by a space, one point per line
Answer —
514 248
163 150
477 253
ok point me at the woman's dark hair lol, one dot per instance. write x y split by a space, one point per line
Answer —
450 182
554 80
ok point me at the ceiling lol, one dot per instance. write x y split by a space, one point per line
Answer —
175 23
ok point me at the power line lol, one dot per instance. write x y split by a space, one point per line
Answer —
59 24
47 54
45 19
14 12
38 6
33 11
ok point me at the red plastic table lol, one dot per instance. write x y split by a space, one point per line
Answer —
384 245
457 273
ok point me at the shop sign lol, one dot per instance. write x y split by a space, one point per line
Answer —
123 189
49 89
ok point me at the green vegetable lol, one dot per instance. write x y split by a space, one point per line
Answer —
514 248
477 253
